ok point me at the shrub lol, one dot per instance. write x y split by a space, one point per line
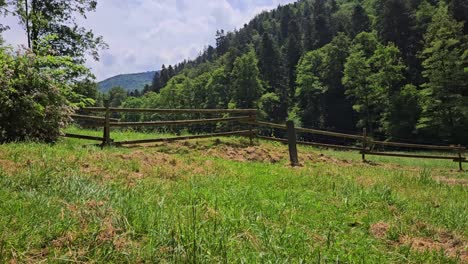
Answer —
36 95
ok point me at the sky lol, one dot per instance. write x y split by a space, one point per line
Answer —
144 34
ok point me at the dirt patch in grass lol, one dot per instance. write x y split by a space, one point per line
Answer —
246 154
64 241
9 167
452 246
237 151
132 166
144 163
108 231
265 153
379 230
313 157
452 181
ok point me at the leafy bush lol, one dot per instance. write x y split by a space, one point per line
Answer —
36 95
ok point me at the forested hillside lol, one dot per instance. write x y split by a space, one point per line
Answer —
130 82
395 67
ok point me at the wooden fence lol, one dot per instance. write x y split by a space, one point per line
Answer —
367 145
364 144
247 116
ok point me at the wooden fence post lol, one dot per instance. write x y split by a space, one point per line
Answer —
253 119
364 144
107 140
460 158
292 143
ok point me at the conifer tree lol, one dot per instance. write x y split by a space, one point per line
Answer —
156 83
247 86
445 94
360 21
164 76
293 52
322 19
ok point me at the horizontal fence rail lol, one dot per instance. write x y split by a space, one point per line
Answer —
181 122
308 130
93 118
172 111
454 158
68 135
418 146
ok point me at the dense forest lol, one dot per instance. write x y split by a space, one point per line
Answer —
396 67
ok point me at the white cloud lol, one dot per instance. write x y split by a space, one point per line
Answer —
144 34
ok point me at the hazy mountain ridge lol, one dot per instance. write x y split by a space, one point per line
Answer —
129 82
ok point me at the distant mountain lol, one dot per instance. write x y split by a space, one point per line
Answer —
129 82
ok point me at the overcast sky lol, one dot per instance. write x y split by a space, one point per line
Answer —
144 34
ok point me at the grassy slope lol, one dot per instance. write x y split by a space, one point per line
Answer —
202 202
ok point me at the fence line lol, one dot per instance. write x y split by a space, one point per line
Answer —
408 145
411 155
308 130
170 111
180 122
367 143
69 135
93 118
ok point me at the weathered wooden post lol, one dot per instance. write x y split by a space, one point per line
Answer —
460 150
107 139
253 119
292 143
364 144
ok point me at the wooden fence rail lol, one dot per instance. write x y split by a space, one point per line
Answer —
69 135
418 146
97 119
454 158
180 122
308 130
171 111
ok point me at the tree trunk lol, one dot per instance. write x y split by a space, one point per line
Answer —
27 23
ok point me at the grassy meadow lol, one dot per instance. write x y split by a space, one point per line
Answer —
221 200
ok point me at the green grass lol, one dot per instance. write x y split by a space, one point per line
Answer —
190 202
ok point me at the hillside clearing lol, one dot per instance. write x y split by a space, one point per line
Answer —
220 200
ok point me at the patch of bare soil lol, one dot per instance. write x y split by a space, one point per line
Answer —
452 181
264 153
108 232
144 163
246 154
452 246
9 167
324 159
379 230
94 165
64 241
